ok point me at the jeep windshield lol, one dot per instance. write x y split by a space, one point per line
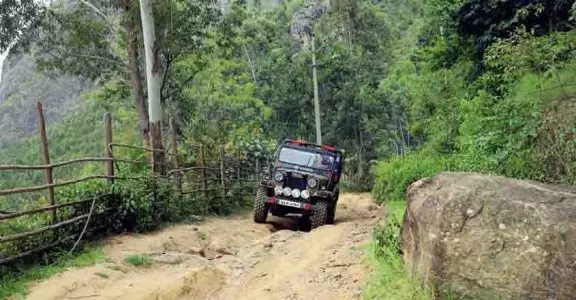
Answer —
306 158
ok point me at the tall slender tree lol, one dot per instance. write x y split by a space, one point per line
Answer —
153 80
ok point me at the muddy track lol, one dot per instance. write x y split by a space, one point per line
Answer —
232 258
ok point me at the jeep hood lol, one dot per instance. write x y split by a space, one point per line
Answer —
310 172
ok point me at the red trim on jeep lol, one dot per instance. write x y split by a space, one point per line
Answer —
308 206
298 142
329 148
272 200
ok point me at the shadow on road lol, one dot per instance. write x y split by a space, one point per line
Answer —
289 222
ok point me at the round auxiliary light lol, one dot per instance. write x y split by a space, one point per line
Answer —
305 194
287 191
278 176
312 182
296 193
278 190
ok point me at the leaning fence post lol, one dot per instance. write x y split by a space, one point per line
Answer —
222 180
177 176
109 164
204 180
46 157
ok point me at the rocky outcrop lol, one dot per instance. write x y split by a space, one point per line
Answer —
303 20
491 237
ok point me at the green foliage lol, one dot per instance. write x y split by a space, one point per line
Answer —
395 175
390 278
138 260
14 284
487 20
505 111
16 16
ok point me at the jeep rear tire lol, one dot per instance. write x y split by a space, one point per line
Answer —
318 218
261 208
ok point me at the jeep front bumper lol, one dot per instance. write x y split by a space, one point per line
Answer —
280 201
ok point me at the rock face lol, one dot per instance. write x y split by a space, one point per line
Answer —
491 237
303 20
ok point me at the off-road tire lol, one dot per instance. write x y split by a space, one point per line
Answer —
331 214
261 208
332 210
304 224
318 218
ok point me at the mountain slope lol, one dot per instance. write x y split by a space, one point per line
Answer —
22 86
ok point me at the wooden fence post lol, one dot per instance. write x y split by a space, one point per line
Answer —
46 157
258 169
204 180
108 165
175 157
222 179
238 168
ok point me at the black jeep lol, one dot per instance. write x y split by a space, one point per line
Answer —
303 179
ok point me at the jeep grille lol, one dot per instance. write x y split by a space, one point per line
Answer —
295 182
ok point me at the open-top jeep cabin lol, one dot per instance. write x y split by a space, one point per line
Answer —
303 179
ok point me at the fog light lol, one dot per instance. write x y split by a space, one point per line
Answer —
278 190
305 194
296 193
287 191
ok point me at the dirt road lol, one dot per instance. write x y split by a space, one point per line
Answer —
231 258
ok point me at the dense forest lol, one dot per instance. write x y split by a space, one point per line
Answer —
420 85
407 88
487 86
239 78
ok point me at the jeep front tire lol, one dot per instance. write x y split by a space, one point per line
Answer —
261 208
319 216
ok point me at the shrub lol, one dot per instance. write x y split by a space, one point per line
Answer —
395 175
390 279
138 260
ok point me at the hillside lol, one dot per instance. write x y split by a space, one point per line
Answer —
22 86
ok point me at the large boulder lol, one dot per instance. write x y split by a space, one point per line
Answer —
490 237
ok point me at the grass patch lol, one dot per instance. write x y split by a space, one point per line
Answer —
138 260
116 268
201 235
390 279
16 284
103 275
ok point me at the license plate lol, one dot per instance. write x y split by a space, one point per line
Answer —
289 203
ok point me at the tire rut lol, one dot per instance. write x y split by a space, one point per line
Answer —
232 258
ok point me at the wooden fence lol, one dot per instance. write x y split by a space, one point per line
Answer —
222 176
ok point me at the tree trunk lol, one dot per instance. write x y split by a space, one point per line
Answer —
316 99
360 174
402 138
250 64
135 77
153 80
